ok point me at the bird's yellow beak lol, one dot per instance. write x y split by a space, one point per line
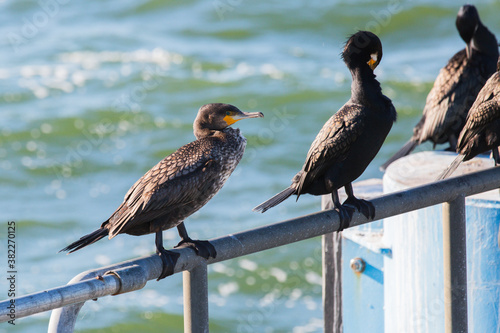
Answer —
233 117
373 61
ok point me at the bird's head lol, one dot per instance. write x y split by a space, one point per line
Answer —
217 116
362 48
467 23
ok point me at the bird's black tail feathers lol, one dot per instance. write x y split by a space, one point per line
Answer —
405 150
453 166
86 240
276 200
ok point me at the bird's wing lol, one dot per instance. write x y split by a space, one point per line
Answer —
484 114
177 180
484 111
453 93
332 143
445 91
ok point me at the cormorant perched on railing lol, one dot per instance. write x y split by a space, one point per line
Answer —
482 129
456 86
351 138
179 185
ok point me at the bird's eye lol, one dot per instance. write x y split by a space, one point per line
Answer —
228 113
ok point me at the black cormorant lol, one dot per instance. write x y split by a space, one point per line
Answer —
351 138
482 128
457 85
179 185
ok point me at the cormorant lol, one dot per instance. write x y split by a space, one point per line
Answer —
179 185
482 129
457 85
351 138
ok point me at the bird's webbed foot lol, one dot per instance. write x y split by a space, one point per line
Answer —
169 259
363 206
345 212
202 248
345 216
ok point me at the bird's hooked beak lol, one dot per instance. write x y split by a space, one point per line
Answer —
232 117
373 62
468 50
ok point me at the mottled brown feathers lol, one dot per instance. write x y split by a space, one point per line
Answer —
179 185
481 132
482 129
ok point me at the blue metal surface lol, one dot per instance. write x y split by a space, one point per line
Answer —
402 287
483 265
363 293
415 299
414 293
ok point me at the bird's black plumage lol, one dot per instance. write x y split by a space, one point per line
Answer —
180 184
457 85
481 132
351 138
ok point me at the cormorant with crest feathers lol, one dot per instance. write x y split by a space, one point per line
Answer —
350 139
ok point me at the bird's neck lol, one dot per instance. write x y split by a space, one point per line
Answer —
202 132
485 42
364 88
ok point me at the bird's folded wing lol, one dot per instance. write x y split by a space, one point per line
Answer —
179 179
483 115
442 97
332 143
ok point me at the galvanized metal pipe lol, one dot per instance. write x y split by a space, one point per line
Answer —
74 293
195 286
323 222
281 233
137 272
455 266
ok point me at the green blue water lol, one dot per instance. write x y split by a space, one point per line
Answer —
94 93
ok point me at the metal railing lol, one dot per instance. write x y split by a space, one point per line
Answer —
134 274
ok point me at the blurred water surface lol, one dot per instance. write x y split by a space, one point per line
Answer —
94 93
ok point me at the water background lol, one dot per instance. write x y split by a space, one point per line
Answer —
94 93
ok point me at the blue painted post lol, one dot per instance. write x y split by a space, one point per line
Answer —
414 277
